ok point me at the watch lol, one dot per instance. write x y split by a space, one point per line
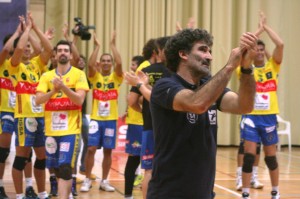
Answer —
139 85
248 71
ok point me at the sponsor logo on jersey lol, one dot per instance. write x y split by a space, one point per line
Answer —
26 88
105 96
267 86
61 104
6 84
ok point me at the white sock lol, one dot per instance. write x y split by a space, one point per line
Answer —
129 197
254 169
275 188
245 190
28 182
43 195
138 170
239 171
73 175
20 196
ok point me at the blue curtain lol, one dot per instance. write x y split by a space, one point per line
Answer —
9 12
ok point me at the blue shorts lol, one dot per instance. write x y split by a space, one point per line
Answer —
147 152
7 122
61 150
260 128
102 134
134 139
30 131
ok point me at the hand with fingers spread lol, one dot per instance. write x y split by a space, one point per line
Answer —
96 41
113 38
66 32
178 26
191 23
134 79
248 47
30 20
50 33
22 23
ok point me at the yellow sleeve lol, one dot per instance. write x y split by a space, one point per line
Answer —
43 84
82 83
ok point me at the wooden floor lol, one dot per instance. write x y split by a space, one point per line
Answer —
225 176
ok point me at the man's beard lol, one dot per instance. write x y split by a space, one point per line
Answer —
63 60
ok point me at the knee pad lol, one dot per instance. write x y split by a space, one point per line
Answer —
258 148
40 164
30 156
248 162
20 163
65 172
241 148
4 152
271 162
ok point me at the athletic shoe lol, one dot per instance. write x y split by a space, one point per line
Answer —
105 186
30 193
74 190
53 186
79 180
86 185
2 193
239 183
138 180
245 195
275 195
255 183
129 197
71 196
92 177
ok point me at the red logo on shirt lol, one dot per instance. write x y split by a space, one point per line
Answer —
61 104
26 88
6 84
267 86
105 96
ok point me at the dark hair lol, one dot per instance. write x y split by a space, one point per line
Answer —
160 43
63 42
16 41
148 49
6 38
260 42
184 41
82 56
138 59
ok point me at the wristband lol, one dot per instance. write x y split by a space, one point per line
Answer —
248 71
139 85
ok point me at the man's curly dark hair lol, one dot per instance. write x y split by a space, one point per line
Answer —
184 41
148 49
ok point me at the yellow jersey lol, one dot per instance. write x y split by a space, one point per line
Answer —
7 90
25 79
62 116
105 96
266 78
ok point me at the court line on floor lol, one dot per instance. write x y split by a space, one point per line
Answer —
228 190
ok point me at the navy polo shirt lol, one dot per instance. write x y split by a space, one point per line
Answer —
185 145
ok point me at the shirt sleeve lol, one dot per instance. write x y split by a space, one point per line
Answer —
82 83
43 84
219 100
164 91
